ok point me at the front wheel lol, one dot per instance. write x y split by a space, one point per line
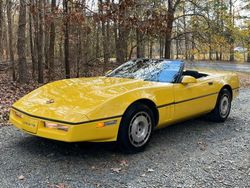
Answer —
135 128
223 106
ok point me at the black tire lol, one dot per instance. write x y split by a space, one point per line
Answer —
128 134
220 114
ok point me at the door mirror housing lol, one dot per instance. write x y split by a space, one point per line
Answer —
188 80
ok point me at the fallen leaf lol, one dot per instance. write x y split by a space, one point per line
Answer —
61 185
117 170
21 177
151 170
124 163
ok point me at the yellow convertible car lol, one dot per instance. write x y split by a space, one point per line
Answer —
126 105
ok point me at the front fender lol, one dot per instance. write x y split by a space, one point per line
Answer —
117 106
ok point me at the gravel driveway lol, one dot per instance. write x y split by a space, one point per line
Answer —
195 153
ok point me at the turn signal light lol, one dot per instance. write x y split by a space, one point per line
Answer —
56 126
100 125
107 123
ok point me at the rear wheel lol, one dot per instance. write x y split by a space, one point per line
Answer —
135 128
223 106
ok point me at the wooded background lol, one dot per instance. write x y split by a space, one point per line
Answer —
45 40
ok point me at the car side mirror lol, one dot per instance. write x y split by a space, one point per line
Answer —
188 80
109 71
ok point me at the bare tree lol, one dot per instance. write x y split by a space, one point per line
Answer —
1 30
32 51
46 33
10 32
21 44
105 26
248 45
66 39
121 33
170 20
140 44
52 41
231 37
40 48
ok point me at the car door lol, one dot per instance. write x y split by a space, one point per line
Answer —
194 98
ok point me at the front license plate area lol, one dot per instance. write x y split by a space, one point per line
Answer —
30 125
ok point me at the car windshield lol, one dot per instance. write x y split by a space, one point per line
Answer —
149 70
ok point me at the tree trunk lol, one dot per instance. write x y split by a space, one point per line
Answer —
120 33
185 35
151 44
221 53
170 20
108 50
66 39
5 40
46 35
177 48
40 48
210 52
231 58
21 44
79 51
122 44
97 47
52 42
36 31
1 30
168 44
231 32
217 55
161 47
104 36
193 35
248 50
83 51
61 53
32 53
140 44
10 32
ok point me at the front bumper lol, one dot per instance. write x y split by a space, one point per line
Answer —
88 131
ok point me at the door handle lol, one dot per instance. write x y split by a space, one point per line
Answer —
210 83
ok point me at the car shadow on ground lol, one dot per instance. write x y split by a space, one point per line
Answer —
176 136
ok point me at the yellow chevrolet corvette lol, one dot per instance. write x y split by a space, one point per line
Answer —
126 105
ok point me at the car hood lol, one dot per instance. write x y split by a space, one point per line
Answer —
72 99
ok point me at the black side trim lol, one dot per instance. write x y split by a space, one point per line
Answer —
107 118
164 105
196 98
65 122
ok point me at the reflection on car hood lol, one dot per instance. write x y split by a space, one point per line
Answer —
70 100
